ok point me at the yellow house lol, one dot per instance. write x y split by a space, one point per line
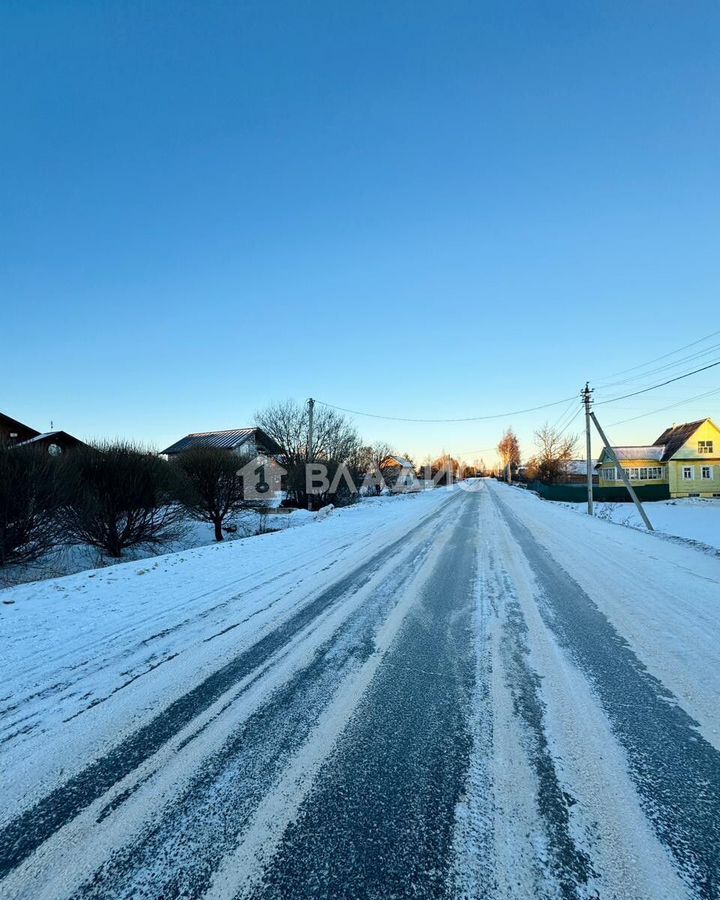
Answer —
686 458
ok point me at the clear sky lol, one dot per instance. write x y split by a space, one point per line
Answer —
416 209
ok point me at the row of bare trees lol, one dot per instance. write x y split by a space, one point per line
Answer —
554 451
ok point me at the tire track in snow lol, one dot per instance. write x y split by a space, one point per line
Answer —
676 772
177 855
379 820
24 834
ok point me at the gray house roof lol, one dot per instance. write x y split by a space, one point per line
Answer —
578 466
225 440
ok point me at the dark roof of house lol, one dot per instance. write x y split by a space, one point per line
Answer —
673 438
13 425
225 440
52 437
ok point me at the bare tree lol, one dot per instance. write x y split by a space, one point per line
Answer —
370 464
119 495
335 444
509 450
211 487
449 468
555 450
28 504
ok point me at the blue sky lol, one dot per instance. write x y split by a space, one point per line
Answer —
415 209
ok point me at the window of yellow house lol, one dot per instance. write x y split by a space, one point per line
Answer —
707 472
688 472
705 446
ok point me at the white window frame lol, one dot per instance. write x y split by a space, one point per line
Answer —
686 476
609 473
709 470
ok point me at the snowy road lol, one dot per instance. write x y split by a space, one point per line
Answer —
459 694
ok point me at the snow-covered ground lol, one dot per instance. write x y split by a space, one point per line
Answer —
487 693
691 518
68 560
175 616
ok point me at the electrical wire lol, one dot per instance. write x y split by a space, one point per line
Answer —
665 368
568 424
656 386
566 412
565 400
670 406
517 412
658 358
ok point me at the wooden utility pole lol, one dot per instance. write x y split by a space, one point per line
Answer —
623 474
587 400
311 422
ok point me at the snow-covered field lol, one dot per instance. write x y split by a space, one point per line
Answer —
691 518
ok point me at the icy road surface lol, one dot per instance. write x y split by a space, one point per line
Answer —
458 694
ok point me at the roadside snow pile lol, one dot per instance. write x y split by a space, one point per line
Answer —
692 519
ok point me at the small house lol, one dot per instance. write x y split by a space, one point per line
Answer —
399 474
575 471
685 458
54 442
16 434
241 441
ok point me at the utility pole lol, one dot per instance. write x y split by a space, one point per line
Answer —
311 422
587 400
623 474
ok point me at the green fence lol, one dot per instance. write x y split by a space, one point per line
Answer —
577 493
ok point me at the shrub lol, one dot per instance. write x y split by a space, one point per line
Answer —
118 495
211 488
28 504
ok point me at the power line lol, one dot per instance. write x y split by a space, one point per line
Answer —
564 414
568 424
517 412
670 406
664 356
664 368
662 384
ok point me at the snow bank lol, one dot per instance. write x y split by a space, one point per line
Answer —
692 518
